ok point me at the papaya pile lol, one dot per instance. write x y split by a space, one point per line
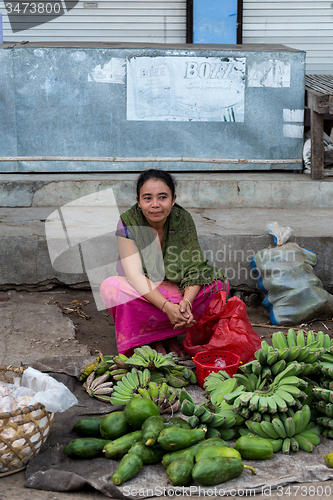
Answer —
148 373
140 436
281 401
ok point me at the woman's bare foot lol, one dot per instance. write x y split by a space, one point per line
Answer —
158 346
172 345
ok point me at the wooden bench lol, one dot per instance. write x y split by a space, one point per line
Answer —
319 99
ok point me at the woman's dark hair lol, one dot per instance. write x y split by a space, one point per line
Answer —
153 173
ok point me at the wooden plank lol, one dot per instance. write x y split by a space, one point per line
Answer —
321 83
317 141
328 157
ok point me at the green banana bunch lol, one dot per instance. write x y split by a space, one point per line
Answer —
176 381
165 397
146 357
180 376
326 422
213 380
284 395
119 361
128 386
326 369
199 415
295 432
163 393
185 395
326 383
118 373
328 433
308 348
217 396
225 434
325 408
157 377
153 391
323 394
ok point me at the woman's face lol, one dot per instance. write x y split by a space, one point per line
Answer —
156 201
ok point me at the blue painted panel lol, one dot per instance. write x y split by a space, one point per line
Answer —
75 102
8 131
215 21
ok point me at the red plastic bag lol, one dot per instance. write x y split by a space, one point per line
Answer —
224 325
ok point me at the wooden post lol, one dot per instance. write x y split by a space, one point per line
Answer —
317 145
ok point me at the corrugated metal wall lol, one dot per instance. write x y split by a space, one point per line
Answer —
155 21
300 24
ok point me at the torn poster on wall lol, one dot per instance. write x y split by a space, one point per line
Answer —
269 73
186 89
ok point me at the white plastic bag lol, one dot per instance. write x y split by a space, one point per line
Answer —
293 293
54 395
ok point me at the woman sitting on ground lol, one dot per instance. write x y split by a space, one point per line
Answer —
165 284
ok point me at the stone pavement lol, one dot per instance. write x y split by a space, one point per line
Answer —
229 237
230 209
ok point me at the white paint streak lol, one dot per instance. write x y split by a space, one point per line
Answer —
111 72
78 56
295 131
270 73
293 115
39 52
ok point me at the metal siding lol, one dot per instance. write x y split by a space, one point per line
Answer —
299 24
154 21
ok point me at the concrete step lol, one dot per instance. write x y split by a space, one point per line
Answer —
194 190
228 237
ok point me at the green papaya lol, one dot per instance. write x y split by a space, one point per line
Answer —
138 410
252 448
177 422
119 447
114 425
174 455
151 429
88 447
215 470
129 466
176 438
216 451
148 454
179 472
170 457
89 426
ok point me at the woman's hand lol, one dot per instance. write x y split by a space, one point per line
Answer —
178 318
186 311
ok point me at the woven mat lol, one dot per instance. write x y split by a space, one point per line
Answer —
52 470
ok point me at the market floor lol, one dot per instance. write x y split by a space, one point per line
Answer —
94 331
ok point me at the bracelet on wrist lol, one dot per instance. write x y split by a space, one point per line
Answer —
188 302
164 304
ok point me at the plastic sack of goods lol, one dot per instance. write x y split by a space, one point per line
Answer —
293 293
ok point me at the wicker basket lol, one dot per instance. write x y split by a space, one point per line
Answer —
23 431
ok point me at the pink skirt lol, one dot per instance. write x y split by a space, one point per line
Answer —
137 321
